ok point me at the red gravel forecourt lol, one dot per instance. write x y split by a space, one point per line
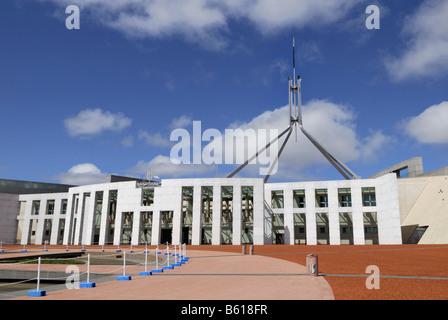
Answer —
340 264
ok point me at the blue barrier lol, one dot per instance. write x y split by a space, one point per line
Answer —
37 293
157 270
87 285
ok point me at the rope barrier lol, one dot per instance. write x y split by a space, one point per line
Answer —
162 259
17 282
9 246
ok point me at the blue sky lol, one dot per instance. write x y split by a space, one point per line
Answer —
79 104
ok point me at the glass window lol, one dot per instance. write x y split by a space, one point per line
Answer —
299 198
148 197
187 206
321 198
35 209
207 214
207 205
370 227
128 218
50 207
247 210
277 199
346 201
187 214
369 197
227 215
145 227
345 197
64 207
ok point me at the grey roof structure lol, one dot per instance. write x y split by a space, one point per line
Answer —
31 187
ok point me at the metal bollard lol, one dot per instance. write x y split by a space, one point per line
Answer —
251 250
312 265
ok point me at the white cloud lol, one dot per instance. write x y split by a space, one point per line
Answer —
163 167
181 122
374 144
170 85
333 125
91 122
308 51
272 16
194 19
430 126
81 174
275 71
155 140
127 141
207 21
426 53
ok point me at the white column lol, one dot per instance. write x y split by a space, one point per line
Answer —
196 232
237 217
357 216
258 208
27 218
41 221
55 223
136 219
311 232
288 215
216 218
333 214
155 232
79 216
267 211
104 217
177 216
68 218
89 216
118 227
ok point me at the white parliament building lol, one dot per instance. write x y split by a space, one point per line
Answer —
401 204
387 208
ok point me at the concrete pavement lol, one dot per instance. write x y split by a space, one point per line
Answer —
208 275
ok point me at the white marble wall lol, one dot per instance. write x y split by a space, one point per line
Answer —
28 216
389 223
387 208
168 197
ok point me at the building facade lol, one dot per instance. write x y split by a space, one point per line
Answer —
215 211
